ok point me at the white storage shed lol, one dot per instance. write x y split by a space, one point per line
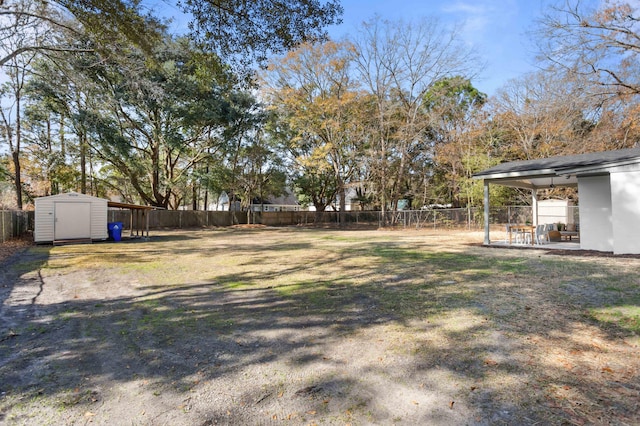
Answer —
70 216
555 211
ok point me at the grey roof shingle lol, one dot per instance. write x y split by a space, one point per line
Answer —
561 163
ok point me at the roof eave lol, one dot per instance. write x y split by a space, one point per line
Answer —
520 174
600 168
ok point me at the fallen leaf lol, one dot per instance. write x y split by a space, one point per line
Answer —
281 394
451 404
607 370
473 388
89 414
312 412
274 417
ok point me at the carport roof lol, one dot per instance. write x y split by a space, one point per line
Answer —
128 206
540 173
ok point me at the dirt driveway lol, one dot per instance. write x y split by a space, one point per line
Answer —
301 327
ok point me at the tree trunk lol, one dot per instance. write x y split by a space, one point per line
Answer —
194 196
343 203
17 184
83 163
16 155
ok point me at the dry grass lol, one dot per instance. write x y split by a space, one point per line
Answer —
320 326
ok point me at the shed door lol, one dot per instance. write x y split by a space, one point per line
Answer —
72 220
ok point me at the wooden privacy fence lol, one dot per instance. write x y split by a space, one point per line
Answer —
15 223
181 218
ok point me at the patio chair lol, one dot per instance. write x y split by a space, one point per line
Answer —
523 237
508 233
542 234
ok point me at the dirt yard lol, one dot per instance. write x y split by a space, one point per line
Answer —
303 326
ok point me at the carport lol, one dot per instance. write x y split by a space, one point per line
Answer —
138 220
608 184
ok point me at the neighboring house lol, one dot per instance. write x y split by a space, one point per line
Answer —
284 203
608 186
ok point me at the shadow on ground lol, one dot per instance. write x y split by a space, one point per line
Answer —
396 333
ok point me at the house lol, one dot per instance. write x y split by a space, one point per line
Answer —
608 186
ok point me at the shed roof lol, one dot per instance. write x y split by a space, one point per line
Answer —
541 172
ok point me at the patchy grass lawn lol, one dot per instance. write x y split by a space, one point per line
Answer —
307 326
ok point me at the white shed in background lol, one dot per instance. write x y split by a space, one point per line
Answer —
70 216
555 211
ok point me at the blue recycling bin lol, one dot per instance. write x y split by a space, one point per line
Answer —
115 230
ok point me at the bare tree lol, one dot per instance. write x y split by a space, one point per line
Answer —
601 44
18 32
398 62
29 21
313 90
542 112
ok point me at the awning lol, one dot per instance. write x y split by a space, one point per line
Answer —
139 219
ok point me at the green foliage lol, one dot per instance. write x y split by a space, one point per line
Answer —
453 97
163 116
317 189
109 20
251 30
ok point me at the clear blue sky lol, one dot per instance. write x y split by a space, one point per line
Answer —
497 28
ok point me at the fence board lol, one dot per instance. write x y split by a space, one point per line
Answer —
15 223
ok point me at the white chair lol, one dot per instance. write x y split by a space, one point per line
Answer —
523 237
542 234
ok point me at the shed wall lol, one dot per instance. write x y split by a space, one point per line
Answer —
99 210
554 211
43 230
596 227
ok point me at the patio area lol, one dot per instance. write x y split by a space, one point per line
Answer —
607 183
502 240
574 244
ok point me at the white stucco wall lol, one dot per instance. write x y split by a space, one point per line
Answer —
596 222
625 191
